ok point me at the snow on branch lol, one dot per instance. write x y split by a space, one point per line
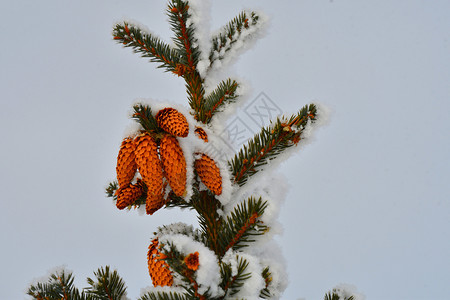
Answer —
269 143
147 45
234 38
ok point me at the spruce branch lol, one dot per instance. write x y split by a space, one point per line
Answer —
174 259
176 201
59 286
178 12
196 93
163 296
231 284
209 220
269 143
176 262
107 285
186 43
334 296
111 190
144 116
226 39
242 224
185 230
265 293
223 94
147 45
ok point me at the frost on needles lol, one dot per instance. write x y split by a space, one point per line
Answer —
166 162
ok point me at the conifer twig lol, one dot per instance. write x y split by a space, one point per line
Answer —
269 143
178 12
226 39
224 93
147 45
243 223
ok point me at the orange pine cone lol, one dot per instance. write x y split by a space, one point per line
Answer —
150 168
158 269
192 261
209 173
128 195
126 164
153 203
201 133
173 122
174 164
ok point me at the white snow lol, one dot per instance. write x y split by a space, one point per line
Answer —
322 119
200 18
251 287
345 291
270 255
208 272
241 42
55 270
135 24
243 92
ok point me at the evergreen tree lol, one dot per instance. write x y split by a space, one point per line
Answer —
168 163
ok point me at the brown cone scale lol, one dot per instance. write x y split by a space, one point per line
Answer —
126 164
174 164
158 269
150 168
173 122
209 174
201 133
128 195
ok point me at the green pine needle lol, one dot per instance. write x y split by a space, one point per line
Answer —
163 296
59 286
269 143
243 224
147 45
107 285
226 39
144 116
178 12
232 284
334 296
265 293
223 94
210 222
111 190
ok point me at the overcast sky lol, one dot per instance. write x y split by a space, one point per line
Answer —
369 199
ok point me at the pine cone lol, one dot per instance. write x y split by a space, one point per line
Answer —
173 122
201 133
126 164
153 203
192 262
174 164
150 169
158 269
209 173
128 195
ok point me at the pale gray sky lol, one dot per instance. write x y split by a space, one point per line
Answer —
369 199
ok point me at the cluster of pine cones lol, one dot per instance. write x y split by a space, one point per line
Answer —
160 160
